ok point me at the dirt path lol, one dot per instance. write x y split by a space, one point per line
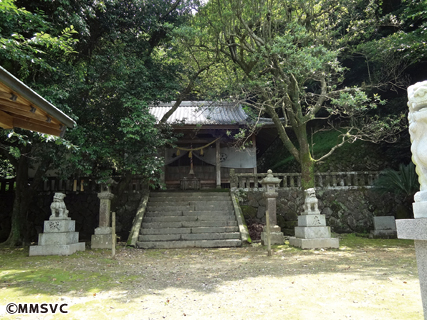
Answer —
351 283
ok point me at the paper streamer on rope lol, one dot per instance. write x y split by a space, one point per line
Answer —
232 158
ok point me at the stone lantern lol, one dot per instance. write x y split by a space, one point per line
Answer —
269 184
102 238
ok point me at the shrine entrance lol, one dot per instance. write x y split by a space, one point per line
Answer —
204 167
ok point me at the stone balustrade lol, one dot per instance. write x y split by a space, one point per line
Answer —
238 181
326 180
79 185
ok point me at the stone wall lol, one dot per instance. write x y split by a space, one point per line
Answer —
82 207
346 210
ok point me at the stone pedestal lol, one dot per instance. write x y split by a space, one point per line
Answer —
276 235
102 239
59 237
269 184
416 229
385 228
312 231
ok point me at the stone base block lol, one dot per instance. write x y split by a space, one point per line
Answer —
413 229
101 241
55 249
58 238
312 232
272 229
314 243
59 226
383 234
104 230
312 220
385 223
275 237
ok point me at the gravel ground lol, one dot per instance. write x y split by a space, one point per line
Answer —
378 282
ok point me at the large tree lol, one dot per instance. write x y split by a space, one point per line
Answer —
29 46
283 61
119 64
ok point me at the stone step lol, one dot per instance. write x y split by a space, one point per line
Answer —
183 230
189 213
189 244
189 219
195 207
187 194
193 198
188 224
200 217
190 236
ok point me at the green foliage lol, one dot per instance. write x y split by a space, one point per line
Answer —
112 70
283 60
401 182
103 63
27 41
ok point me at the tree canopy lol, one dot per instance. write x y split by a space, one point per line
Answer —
110 62
285 60
303 63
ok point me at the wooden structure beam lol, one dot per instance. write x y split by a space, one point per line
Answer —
6 121
21 107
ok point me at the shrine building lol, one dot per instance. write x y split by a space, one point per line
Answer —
206 148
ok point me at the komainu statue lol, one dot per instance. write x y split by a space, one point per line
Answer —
58 209
310 202
417 96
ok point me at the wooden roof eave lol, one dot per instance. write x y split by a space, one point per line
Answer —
205 126
22 107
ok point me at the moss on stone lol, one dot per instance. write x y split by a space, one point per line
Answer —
249 212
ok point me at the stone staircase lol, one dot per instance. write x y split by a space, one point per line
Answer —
189 219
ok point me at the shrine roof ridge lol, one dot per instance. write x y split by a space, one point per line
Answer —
204 113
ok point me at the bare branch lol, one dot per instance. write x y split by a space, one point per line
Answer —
184 94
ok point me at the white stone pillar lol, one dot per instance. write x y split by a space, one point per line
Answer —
218 164
254 146
163 173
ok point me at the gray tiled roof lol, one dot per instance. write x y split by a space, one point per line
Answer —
202 112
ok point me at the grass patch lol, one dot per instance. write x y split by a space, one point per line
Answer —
354 241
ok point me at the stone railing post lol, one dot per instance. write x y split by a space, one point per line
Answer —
416 229
269 184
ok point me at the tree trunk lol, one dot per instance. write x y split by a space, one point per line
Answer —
21 204
24 195
306 161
